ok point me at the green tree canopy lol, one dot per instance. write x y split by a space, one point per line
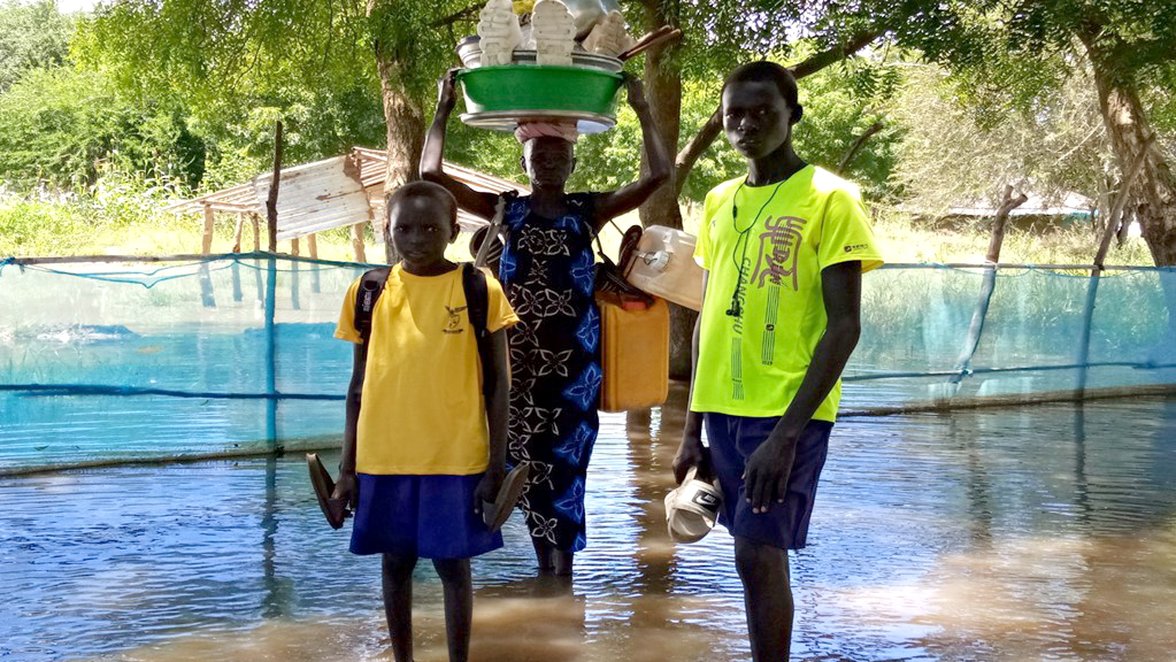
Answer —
63 126
32 36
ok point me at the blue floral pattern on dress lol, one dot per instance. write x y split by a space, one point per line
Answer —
572 503
584 273
589 331
548 273
586 389
574 445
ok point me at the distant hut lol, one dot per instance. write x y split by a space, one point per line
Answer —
346 190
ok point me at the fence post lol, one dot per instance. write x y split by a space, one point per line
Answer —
980 314
271 355
1114 218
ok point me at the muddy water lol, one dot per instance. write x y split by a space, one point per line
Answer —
1013 534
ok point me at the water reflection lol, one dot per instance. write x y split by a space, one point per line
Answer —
1035 533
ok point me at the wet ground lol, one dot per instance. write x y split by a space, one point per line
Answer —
1032 533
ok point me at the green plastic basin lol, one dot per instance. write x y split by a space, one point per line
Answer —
499 97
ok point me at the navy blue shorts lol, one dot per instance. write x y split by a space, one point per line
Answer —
732 441
430 517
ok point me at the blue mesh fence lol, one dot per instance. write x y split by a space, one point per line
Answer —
107 362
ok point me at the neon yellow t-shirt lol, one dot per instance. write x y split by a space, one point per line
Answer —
422 410
751 362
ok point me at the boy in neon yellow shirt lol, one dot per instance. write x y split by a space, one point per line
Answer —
423 448
783 248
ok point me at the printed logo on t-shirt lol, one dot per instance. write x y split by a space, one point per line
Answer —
453 325
779 244
856 247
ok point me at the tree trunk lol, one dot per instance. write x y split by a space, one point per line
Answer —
405 133
663 85
1154 191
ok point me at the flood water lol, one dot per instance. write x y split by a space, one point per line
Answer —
1036 533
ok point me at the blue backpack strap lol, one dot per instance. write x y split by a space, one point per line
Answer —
477 296
371 286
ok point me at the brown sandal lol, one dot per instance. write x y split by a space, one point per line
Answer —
335 510
495 514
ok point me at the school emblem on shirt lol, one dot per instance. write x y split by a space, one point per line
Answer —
779 251
453 325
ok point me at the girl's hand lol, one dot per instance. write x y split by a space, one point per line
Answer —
488 488
345 489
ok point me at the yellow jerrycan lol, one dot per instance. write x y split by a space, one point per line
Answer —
634 353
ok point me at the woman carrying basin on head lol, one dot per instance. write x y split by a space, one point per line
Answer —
548 272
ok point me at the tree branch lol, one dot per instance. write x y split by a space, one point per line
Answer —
710 130
856 147
468 12
698 145
835 54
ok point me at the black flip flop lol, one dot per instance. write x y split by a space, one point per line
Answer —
335 510
495 514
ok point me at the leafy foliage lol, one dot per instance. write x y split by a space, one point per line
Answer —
32 36
64 127
954 154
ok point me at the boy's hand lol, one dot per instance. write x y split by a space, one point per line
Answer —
691 453
768 469
446 91
636 91
345 489
488 488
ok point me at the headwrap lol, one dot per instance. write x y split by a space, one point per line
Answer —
531 130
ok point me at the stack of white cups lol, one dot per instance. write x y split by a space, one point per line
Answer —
609 37
498 29
554 31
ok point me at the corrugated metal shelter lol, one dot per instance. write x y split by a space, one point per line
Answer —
1067 204
342 191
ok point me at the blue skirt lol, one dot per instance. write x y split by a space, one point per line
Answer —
429 517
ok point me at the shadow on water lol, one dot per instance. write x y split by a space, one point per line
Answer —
1031 533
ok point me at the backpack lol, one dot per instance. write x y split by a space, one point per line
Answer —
477 295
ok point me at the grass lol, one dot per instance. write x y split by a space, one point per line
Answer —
121 221
907 240
132 224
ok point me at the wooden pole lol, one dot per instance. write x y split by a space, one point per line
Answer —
209 219
294 248
256 232
312 245
1114 217
998 223
988 285
271 204
1116 213
237 233
357 242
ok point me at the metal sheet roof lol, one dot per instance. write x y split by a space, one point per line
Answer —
331 193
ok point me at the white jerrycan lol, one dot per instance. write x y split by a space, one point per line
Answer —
663 265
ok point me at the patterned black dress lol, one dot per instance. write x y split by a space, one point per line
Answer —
547 269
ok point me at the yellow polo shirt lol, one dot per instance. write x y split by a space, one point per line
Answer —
422 410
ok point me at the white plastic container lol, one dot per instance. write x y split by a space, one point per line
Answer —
663 265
